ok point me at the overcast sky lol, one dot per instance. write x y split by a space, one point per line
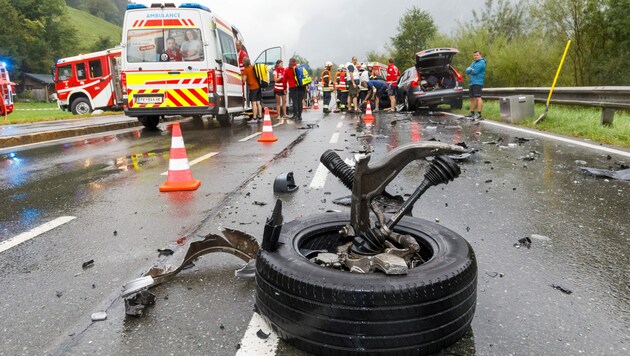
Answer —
330 30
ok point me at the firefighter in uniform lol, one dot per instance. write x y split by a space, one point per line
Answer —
327 86
342 90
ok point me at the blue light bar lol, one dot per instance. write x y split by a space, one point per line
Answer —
192 5
135 6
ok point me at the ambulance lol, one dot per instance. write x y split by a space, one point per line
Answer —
182 60
7 89
89 81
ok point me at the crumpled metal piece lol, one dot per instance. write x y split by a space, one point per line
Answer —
238 243
623 174
135 305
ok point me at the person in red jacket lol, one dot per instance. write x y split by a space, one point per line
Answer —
296 92
242 53
392 84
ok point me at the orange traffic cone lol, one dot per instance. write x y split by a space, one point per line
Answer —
316 106
368 118
179 172
267 133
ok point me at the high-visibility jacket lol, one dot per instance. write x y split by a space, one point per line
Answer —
279 84
341 81
327 84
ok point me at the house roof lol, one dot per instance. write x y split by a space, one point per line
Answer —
42 78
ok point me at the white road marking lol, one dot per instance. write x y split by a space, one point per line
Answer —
334 138
319 179
250 137
339 125
197 160
25 236
558 138
251 344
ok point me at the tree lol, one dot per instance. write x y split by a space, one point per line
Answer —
415 30
34 33
374 56
506 19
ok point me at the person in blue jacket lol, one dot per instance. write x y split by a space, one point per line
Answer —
477 72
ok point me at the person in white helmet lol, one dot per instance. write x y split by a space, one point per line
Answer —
327 86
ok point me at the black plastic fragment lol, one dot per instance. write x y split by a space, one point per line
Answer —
135 305
88 264
273 227
562 289
165 252
261 334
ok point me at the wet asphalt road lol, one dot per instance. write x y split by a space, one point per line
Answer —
578 226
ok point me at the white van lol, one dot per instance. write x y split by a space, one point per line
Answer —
182 61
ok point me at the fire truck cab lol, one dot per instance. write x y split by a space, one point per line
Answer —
182 60
89 81
7 89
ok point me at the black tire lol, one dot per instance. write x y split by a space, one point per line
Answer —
457 103
225 120
332 312
81 106
150 122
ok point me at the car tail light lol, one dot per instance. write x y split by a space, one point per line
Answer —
211 82
123 82
457 75
414 83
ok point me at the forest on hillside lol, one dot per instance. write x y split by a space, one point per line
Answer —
109 10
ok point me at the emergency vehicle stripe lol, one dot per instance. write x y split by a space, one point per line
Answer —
174 101
185 97
200 96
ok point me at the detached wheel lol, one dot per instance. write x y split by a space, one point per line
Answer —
81 106
327 311
150 122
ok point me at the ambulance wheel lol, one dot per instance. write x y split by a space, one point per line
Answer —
81 106
150 122
327 311
225 120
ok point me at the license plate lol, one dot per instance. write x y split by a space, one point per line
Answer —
154 99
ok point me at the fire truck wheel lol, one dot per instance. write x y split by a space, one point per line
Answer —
81 106
327 311
225 120
150 122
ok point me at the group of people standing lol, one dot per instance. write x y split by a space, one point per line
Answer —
355 84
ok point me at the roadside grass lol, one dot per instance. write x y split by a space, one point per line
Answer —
579 122
36 112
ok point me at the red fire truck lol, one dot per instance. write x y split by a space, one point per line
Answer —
89 81
6 91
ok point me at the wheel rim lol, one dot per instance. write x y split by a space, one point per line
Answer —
83 108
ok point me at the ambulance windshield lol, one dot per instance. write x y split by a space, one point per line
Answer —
164 45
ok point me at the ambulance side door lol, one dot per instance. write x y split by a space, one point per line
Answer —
231 74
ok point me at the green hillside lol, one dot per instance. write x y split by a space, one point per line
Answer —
90 27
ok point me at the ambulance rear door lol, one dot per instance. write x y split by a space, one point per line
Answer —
166 65
230 73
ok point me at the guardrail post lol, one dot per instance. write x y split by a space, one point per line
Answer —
607 116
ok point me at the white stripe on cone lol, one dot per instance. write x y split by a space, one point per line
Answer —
177 142
178 164
267 128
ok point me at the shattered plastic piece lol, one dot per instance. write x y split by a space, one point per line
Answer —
284 183
88 264
525 241
115 233
99 316
623 174
135 305
248 271
562 289
59 294
165 252
261 334
492 274
259 203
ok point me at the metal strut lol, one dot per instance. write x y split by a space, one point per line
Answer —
369 182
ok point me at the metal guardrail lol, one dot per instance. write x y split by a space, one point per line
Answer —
609 97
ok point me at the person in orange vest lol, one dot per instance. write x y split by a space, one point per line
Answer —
392 84
327 86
